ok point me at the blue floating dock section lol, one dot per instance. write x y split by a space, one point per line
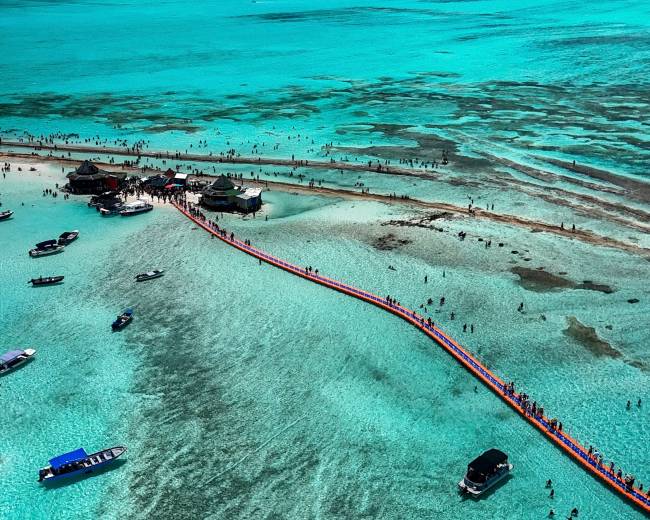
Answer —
543 423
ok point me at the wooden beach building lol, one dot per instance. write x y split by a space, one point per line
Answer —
88 179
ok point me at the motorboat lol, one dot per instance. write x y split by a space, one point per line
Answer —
5 215
104 199
15 358
122 320
46 280
48 247
134 208
484 472
114 209
67 237
78 462
150 275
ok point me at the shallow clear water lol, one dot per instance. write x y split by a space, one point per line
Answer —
242 391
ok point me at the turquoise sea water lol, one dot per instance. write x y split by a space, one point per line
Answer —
242 392
561 78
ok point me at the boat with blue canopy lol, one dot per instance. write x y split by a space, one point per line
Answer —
123 319
14 358
78 462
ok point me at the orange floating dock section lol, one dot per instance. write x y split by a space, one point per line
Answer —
543 423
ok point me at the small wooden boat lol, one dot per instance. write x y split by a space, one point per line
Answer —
156 273
6 215
48 280
134 208
15 358
48 247
78 462
484 472
67 237
122 320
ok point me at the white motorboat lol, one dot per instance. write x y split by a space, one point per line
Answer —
134 208
14 358
48 247
150 275
484 472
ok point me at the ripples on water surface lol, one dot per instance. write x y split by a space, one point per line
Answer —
563 78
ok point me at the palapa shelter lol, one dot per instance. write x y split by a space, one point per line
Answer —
88 179
156 181
224 195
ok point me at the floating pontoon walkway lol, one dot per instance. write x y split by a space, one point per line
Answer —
543 423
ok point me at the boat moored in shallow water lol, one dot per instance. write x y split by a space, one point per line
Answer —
134 208
150 275
108 211
78 462
5 215
108 198
48 247
123 319
15 358
47 280
484 472
67 237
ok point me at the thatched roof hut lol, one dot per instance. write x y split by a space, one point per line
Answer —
89 179
224 195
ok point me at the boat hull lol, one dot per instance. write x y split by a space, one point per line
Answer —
6 215
130 213
110 212
50 280
477 491
36 253
65 240
26 358
120 323
144 278
92 467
